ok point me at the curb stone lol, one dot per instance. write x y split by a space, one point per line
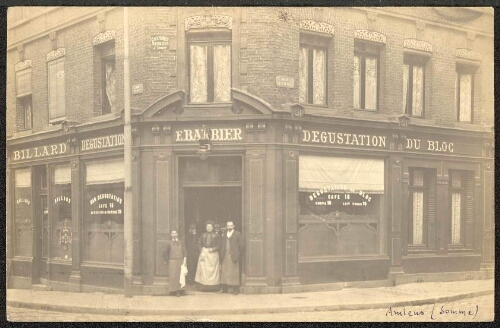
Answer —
307 308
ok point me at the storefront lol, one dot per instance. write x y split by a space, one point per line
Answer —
317 200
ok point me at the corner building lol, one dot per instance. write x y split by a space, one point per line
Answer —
351 146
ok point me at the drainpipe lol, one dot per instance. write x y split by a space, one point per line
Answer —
128 196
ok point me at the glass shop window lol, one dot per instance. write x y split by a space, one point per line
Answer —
62 233
341 207
23 213
103 211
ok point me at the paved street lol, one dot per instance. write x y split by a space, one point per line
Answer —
472 309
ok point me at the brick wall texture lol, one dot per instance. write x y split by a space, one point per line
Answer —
265 42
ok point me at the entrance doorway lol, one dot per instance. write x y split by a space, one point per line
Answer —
218 204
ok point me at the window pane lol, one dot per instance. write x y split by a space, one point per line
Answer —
222 73
356 82
456 200
465 97
418 216
418 91
406 73
319 76
303 74
198 74
371 83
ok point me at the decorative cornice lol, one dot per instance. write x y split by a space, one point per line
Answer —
104 37
22 65
208 21
370 36
418 45
54 54
468 54
319 27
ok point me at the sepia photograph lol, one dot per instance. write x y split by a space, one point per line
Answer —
236 164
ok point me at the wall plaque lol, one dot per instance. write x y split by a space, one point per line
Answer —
159 42
285 81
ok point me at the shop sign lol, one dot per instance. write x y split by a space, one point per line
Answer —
106 204
103 142
159 42
229 134
62 199
344 197
285 81
23 200
429 145
39 152
341 138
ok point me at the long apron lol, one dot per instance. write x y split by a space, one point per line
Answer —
174 274
207 272
230 271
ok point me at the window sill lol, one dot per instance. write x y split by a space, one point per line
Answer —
209 105
61 261
102 265
57 120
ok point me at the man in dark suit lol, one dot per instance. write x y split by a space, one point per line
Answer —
231 252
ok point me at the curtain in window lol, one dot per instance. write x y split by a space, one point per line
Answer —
406 81
108 171
371 83
417 91
111 84
418 216
62 174
23 82
456 200
465 97
57 94
303 74
319 172
23 178
222 73
198 74
27 112
356 82
319 78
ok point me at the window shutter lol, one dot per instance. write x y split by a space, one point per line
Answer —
431 211
23 178
107 171
62 174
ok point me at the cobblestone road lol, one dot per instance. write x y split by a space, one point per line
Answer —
472 309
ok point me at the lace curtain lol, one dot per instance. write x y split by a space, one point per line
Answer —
319 78
222 72
406 81
465 97
356 83
417 92
418 216
198 74
303 74
111 85
456 200
371 83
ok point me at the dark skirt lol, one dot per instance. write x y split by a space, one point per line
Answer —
174 274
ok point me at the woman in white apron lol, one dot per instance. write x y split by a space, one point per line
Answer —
207 271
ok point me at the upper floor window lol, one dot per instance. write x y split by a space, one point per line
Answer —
464 90
57 95
366 75
108 77
414 86
209 67
313 58
23 93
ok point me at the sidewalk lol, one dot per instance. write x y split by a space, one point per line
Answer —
209 304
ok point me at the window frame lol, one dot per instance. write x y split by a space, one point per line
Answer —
464 70
211 38
311 42
360 50
412 61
